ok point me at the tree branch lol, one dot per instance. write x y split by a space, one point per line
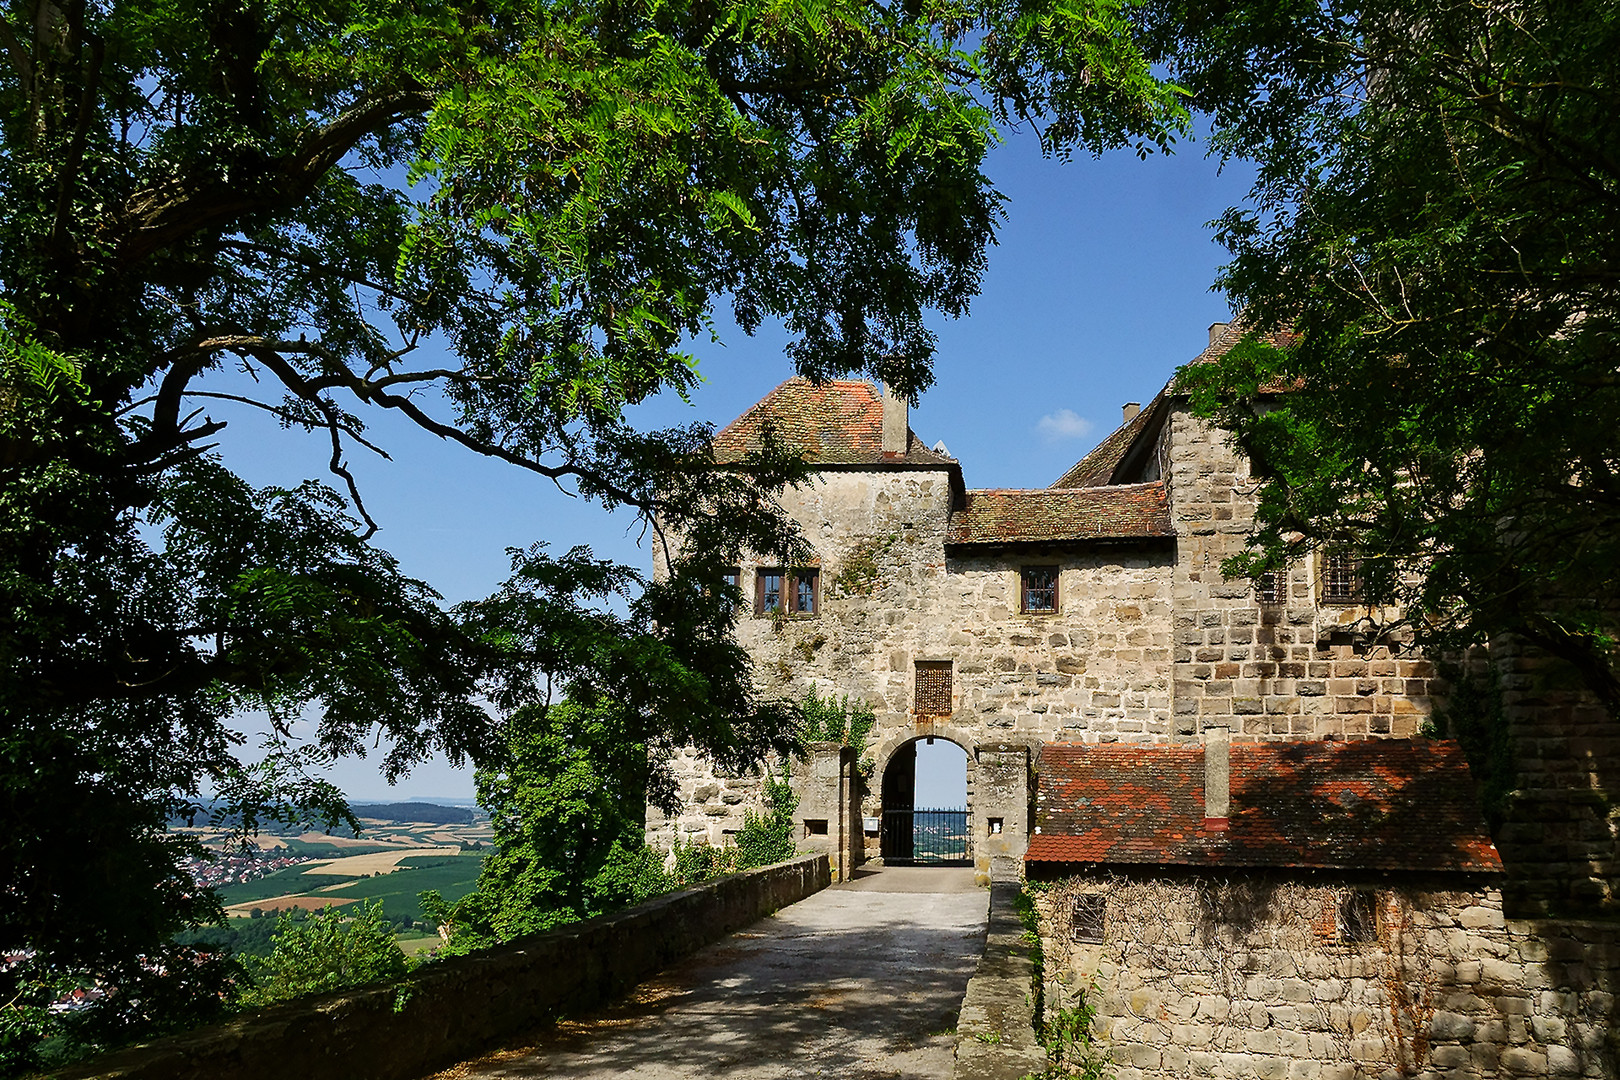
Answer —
161 216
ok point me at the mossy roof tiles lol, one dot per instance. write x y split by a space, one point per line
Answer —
1057 515
1378 804
837 422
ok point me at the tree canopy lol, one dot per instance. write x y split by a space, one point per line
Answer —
1436 218
503 221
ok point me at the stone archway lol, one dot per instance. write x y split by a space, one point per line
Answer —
1000 785
910 832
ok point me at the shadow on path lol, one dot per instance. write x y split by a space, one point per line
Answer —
861 980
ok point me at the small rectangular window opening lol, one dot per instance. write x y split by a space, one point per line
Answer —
933 697
1040 589
768 590
778 591
1088 917
995 826
1358 916
804 592
1272 587
815 826
1341 578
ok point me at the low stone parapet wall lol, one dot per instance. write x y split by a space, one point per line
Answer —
453 1009
995 1033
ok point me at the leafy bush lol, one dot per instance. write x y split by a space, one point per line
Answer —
838 720
768 837
327 951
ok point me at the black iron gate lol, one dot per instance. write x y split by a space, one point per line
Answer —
926 837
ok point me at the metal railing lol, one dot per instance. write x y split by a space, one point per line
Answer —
925 837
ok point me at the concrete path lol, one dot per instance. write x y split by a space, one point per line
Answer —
862 980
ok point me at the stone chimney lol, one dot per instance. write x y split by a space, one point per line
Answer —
1217 778
1216 329
1131 409
896 422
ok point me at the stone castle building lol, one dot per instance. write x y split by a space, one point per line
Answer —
1093 610
1249 857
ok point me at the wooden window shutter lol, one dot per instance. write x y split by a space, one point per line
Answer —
933 697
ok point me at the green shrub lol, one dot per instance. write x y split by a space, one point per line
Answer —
329 950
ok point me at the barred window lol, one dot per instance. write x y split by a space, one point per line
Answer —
1088 917
1341 578
1272 587
933 696
1040 588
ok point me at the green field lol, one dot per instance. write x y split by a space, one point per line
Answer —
281 883
452 875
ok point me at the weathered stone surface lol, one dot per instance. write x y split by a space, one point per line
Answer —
1257 975
995 1034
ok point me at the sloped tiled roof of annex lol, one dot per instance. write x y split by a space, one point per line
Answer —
1379 804
1097 468
837 422
1050 515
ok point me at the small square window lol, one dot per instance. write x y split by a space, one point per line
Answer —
1089 917
1341 578
1040 589
996 826
815 826
1358 916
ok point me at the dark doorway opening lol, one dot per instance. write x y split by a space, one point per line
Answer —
923 835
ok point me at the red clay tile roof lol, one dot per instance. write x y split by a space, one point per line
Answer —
839 422
1380 804
1055 515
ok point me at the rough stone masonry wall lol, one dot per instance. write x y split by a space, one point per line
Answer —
1561 836
1249 979
1098 669
454 1009
1290 670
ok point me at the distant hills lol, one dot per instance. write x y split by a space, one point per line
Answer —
425 813
431 813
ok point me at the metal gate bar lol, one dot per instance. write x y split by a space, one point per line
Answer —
925 837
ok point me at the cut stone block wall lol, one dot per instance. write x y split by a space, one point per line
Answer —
457 1008
1297 669
1098 669
1254 976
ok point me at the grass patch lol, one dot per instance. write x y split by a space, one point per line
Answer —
281 883
452 875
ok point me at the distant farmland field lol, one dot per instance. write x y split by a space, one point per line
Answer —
452 875
281 883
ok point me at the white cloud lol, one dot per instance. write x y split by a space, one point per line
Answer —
1062 425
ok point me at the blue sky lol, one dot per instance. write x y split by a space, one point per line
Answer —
1098 289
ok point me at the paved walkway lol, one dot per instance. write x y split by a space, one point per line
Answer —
862 980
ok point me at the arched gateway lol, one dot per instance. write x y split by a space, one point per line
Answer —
854 818
924 820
